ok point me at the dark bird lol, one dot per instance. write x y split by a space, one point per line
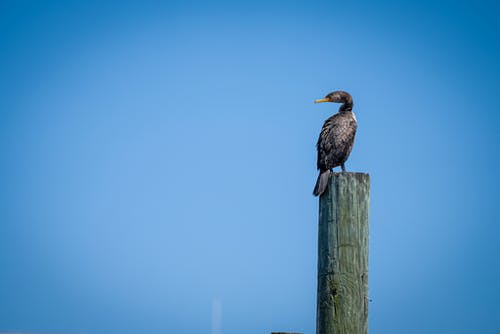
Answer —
336 139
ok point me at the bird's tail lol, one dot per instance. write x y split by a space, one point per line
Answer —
321 183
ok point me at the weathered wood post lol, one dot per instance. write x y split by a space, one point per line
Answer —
342 301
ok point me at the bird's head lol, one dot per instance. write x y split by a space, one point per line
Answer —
338 96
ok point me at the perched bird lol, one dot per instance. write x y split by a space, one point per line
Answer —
336 139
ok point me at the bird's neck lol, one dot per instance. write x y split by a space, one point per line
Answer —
346 106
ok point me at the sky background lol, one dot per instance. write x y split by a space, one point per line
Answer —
157 161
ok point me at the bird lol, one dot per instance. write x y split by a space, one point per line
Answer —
336 139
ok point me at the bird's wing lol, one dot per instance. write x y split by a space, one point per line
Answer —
335 141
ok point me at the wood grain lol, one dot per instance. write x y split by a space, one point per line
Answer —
342 304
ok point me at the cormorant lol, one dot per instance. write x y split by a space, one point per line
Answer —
336 139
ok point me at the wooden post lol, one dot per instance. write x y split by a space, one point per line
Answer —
342 304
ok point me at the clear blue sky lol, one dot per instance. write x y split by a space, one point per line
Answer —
157 159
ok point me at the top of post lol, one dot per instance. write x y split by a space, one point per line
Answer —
347 180
357 175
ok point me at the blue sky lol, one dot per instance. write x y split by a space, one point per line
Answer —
157 159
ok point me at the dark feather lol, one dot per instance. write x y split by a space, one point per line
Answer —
335 142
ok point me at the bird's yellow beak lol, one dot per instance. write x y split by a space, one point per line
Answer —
321 100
